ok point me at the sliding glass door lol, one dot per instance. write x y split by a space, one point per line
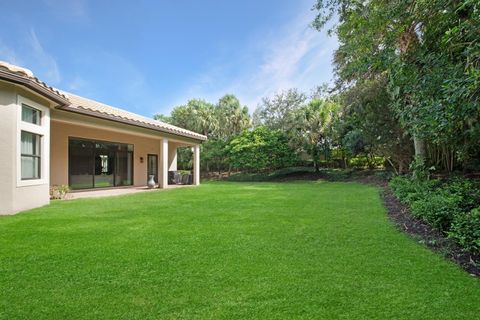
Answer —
124 165
99 164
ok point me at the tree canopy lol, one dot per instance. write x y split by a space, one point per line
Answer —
426 55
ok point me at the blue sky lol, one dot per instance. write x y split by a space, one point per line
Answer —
149 56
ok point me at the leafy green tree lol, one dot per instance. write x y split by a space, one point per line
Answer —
277 112
310 129
368 125
197 115
214 156
220 122
429 52
231 116
259 150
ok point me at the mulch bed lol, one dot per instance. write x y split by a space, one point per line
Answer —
402 218
425 234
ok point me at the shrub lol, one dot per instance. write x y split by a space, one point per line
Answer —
465 230
438 209
409 191
448 206
467 190
59 192
402 187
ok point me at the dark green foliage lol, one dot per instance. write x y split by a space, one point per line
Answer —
309 130
277 112
366 125
437 208
466 230
220 122
409 190
449 206
197 115
184 158
467 190
426 56
259 150
214 155
307 123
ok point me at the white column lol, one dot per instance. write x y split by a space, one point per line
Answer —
196 165
172 158
163 174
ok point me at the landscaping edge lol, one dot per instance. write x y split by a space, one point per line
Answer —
426 234
402 218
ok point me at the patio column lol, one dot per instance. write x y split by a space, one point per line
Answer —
196 165
172 158
163 174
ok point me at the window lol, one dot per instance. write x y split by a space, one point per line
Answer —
30 155
33 143
31 115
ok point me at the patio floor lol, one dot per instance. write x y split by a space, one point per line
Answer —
96 193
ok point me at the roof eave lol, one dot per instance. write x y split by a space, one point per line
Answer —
199 138
34 86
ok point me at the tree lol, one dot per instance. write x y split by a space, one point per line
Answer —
197 115
310 128
368 125
429 52
259 150
231 116
276 113
220 122
214 156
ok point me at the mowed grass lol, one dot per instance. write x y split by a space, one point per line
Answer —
311 250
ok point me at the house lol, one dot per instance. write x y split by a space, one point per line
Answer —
50 137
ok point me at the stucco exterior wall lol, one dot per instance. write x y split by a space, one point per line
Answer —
7 146
61 131
15 197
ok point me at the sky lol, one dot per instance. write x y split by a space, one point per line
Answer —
150 56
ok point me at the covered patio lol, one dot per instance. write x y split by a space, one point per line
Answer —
91 152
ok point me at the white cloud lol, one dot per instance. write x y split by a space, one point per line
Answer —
294 56
46 62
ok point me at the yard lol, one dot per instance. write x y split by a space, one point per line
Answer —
226 250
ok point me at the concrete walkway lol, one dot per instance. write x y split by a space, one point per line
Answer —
115 191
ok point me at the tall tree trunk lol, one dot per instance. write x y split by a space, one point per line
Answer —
420 147
400 167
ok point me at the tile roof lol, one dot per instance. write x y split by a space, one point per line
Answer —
84 105
27 74
74 103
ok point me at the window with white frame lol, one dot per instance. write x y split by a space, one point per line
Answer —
31 115
33 142
30 155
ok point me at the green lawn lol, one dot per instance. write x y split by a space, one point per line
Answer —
226 250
